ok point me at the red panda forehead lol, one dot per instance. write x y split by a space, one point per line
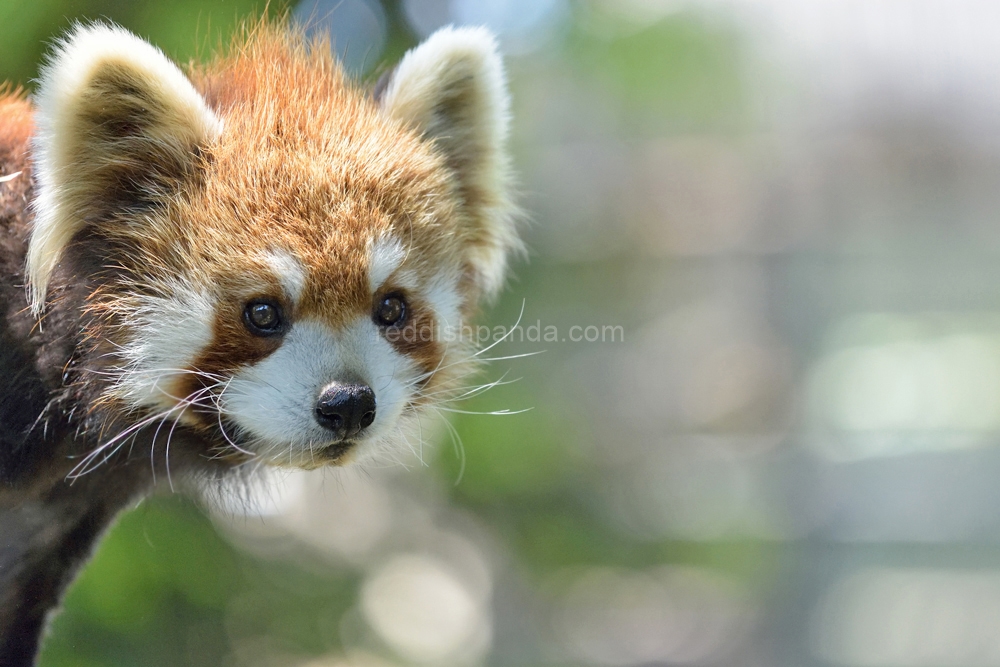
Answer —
336 287
297 133
346 236
338 230
288 106
328 193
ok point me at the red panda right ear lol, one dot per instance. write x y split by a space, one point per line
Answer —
453 91
120 129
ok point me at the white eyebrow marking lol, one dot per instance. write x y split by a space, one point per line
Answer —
442 293
289 271
385 257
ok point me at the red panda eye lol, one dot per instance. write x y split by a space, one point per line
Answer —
390 311
263 318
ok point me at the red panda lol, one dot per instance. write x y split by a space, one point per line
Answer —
248 263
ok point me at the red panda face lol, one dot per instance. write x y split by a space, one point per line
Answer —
285 263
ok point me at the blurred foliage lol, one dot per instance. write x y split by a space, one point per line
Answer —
183 29
164 584
683 70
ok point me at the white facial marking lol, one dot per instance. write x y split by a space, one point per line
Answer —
385 257
407 280
273 401
443 297
170 333
290 272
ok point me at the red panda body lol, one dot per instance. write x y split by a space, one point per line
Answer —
252 263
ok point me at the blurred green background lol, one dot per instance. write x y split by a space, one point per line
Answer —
788 457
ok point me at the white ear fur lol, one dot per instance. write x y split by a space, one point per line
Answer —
452 88
110 107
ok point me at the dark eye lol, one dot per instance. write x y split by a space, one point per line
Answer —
263 318
390 311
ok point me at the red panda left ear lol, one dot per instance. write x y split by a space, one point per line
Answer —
452 89
119 129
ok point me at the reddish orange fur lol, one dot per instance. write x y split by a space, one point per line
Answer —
308 163
15 131
15 122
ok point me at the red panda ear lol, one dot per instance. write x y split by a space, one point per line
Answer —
452 89
119 129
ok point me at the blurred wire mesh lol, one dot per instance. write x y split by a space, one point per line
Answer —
765 274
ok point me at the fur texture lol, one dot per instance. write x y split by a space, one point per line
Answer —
108 103
453 89
148 212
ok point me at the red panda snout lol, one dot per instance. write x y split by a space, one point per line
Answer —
346 409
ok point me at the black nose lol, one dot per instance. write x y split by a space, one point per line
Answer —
345 409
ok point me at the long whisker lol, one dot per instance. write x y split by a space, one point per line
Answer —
420 438
505 411
476 355
470 392
456 441
222 428
85 462
423 376
110 447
